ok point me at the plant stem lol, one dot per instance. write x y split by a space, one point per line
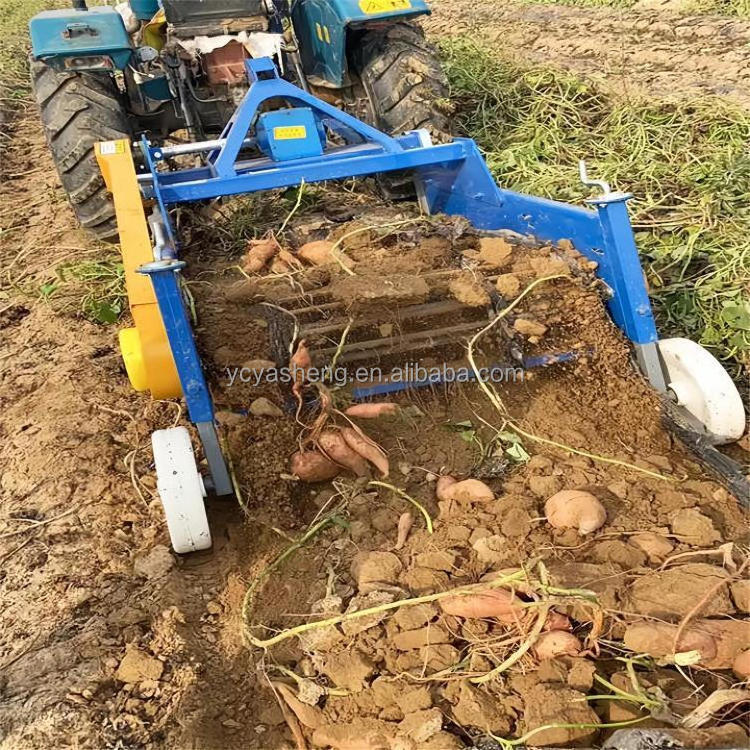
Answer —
416 504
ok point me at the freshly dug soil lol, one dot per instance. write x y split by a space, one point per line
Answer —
408 675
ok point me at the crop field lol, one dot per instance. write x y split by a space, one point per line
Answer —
686 162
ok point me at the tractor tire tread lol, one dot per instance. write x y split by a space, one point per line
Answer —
403 79
77 111
406 89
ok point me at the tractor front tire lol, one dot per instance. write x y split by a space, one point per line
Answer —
77 111
404 81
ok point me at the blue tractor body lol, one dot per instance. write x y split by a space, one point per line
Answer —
157 67
93 39
322 27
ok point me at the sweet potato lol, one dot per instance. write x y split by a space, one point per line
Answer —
279 266
366 449
290 259
405 522
556 643
657 640
301 359
372 411
575 509
499 603
259 252
335 447
316 253
299 363
469 491
311 466
443 483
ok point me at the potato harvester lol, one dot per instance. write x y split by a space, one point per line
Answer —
281 135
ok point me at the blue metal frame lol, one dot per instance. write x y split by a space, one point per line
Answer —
453 179
164 277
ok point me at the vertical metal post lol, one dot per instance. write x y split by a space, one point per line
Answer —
630 305
163 276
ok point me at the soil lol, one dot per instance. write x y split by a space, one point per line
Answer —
409 674
109 640
655 51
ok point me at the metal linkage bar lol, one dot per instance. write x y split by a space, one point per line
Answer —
163 276
265 84
264 174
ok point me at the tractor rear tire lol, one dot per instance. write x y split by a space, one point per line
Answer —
77 111
404 81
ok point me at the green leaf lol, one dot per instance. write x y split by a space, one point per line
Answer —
509 437
739 341
48 289
736 316
468 435
104 312
517 453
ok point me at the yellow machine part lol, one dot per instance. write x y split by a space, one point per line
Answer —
154 32
132 354
145 348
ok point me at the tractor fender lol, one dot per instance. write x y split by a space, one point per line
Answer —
322 26
66 39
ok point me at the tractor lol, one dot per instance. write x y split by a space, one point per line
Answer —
175 71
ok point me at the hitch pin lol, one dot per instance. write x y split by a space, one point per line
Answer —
601 184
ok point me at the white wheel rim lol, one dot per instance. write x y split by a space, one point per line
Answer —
181 490
703 388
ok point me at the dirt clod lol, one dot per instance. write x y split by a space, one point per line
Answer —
545 704
495 252
421 725
741 595
367 601
443 560
656 547
156 564
475 707
529 327
373 570
348 670
411 618
263 407
508 285
618 552
673 593
137 666
414 639
469 291
691 526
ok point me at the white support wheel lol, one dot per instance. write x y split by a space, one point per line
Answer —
181 490
702 387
